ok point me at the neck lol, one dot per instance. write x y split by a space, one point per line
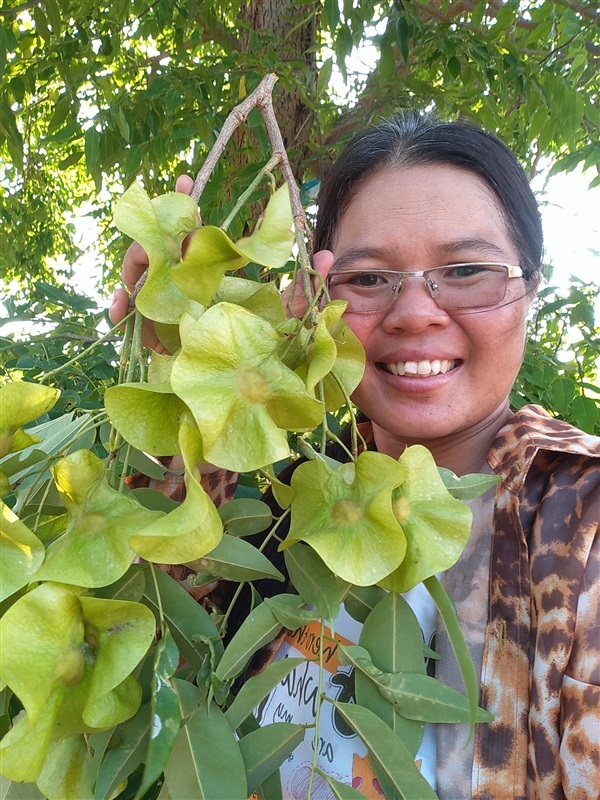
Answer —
463 451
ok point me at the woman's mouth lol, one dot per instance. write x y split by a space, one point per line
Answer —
420 369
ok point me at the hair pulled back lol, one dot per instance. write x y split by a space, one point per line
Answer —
409 138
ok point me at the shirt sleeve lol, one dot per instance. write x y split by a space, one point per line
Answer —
580 693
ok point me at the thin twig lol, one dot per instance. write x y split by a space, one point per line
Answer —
237 117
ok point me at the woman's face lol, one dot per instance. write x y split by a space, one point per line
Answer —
415 218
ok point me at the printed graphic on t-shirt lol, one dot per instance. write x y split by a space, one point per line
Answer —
341 754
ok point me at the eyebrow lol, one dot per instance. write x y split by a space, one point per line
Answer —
358 254
471 244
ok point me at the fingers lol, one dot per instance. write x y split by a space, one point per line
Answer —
323 261
135 263
184 184
119 306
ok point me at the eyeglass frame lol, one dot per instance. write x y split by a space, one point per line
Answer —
512 272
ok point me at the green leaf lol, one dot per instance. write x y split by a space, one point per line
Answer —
121 633
12 790
160 226
192 529
402 37
242 397
332 14
146 416
271 242
313 580
267 748
289 610
154 500
563 392
245 516
341 790
206 762
585 412
64 774
236 560
359 601
21 553
414 695
387 752
256 688
324 76
436 525
125 756
262 299
94 549
258 629
346 515
392 636
21 403
467 487
423 698
188 622
210 254
322 355
282 493
63 656
457 640
166 716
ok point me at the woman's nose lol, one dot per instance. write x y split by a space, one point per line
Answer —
414 309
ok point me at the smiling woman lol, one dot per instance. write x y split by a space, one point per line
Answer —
431 234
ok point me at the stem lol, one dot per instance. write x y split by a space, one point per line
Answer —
125 467
136 357
356 434
243 198
339 442
324 427
41 505
161 615
126 348
223 622
237 117
272 533
301 228
318 713
83 352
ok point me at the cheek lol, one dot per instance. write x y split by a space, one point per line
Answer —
362 326
499 346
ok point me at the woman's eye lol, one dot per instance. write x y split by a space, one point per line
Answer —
367 280
464 271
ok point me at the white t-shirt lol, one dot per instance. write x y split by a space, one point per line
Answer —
341 755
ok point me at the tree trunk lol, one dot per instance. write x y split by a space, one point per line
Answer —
289 30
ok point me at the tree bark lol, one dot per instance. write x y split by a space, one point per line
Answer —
290 31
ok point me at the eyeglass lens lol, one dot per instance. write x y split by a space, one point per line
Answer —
453 286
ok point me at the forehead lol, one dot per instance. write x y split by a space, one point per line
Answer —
426 212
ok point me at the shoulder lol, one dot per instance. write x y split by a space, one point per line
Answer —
531 436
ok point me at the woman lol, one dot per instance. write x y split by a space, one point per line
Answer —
431 234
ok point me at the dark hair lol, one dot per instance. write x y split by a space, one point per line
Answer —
410 138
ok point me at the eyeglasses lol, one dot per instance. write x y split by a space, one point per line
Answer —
463 287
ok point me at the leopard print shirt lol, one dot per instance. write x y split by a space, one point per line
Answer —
541 659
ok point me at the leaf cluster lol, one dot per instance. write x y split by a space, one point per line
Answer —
116 682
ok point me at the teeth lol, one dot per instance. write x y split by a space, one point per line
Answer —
424 368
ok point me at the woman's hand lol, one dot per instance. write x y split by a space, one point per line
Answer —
135 264
293 295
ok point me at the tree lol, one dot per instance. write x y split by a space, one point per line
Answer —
96 93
